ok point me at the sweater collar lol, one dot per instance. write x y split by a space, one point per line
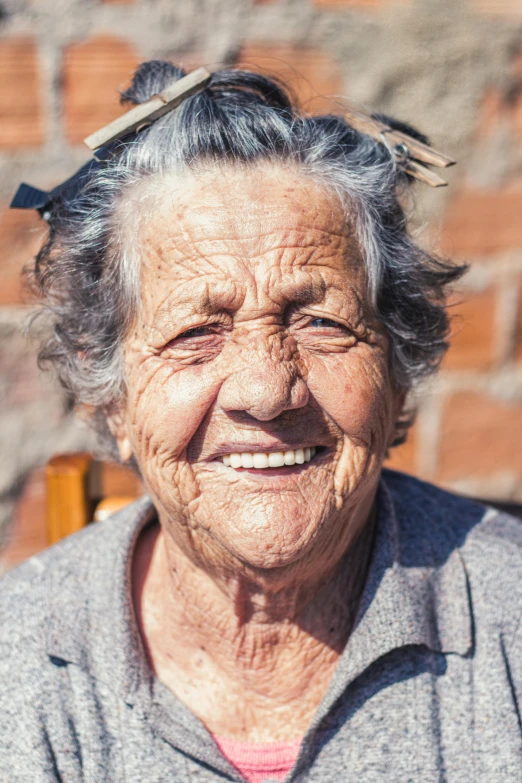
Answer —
99 633
420 600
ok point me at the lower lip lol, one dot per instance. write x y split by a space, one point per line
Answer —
287 470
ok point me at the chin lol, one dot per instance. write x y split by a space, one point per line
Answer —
267 536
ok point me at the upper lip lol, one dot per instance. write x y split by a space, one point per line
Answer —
263 448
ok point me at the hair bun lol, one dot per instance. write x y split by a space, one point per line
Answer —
403 127
149 79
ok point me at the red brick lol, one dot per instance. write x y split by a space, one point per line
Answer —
484 222
491 113
310 73
473 331
500 111
93 72
480 437
508 8
28 533
21 234
518 343
21 119
369 5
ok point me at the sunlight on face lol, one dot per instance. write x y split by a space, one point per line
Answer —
255 339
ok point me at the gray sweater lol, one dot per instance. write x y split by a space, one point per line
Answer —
429 687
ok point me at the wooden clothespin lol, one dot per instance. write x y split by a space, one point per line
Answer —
145 114
406 150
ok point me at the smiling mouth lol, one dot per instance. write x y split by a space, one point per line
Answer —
272 459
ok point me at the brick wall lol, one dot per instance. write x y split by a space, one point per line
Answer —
454 69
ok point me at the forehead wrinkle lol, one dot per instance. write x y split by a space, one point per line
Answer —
293 254
263 243
197 226
189 241
180 255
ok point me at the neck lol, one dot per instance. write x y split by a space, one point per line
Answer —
225 634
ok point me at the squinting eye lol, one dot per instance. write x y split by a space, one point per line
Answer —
197 331
194 346
322 322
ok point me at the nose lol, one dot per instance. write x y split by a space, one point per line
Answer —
265 379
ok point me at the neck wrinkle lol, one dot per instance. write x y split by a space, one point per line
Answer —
248 627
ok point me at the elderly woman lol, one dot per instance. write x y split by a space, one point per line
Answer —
237 303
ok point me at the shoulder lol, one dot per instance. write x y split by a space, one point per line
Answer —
433 523
61 577
424 510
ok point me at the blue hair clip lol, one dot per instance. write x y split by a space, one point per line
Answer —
29 197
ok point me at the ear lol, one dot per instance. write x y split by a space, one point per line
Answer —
118 428
402 419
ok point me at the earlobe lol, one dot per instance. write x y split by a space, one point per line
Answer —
118 429
124 449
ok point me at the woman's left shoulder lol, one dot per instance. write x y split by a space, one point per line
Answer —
447 519
437 525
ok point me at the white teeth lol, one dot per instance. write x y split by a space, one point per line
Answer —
260 460
274 459
247 460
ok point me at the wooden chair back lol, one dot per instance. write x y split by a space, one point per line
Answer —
81 489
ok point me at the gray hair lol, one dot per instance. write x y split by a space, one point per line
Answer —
88 279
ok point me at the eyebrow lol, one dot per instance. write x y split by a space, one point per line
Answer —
211 297
198 299
311 292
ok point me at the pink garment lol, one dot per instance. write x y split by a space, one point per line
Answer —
259 761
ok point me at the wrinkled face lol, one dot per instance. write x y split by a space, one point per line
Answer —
255 347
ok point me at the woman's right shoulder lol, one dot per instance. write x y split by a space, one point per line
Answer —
61 575
43 605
